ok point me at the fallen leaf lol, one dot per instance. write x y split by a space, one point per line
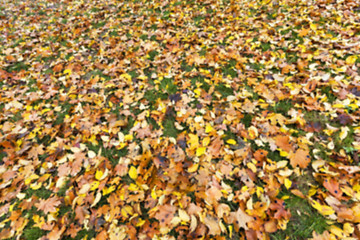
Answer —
300 158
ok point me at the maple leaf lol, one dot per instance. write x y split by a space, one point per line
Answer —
48 205
300 157
303 32
283 142
55 233
213 225
165 214
240 219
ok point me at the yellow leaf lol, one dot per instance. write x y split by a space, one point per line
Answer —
153 193
253 132
208 128
128 137
45 110
94 185
193 141
283 223
312 192
140 222
197 92
36 186
351 60
126 76
231 141
283 153
122 145
39 221
98 174
32 177
67 71
206 141
348 228
337 231
133 187
341 69
323 209
230 231
193 168
133 173
313 26
251 166
200 151
108 190
127 211
287 183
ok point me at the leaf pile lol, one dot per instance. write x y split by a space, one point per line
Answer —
179 119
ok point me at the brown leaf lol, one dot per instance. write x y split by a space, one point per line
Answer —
48 205
215 146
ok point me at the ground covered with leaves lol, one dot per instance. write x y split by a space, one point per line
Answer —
175 119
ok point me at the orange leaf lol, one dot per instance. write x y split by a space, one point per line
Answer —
165 214
304 32
260 156
299 158
55 233
301 65
58 68
333 187
270 226
346 214
102 235
283 142
297 192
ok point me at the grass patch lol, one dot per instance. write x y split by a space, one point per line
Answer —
224 90
85 234
33 233
112 154
169 128
42 193
247 119
329 93
282 107
304 220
